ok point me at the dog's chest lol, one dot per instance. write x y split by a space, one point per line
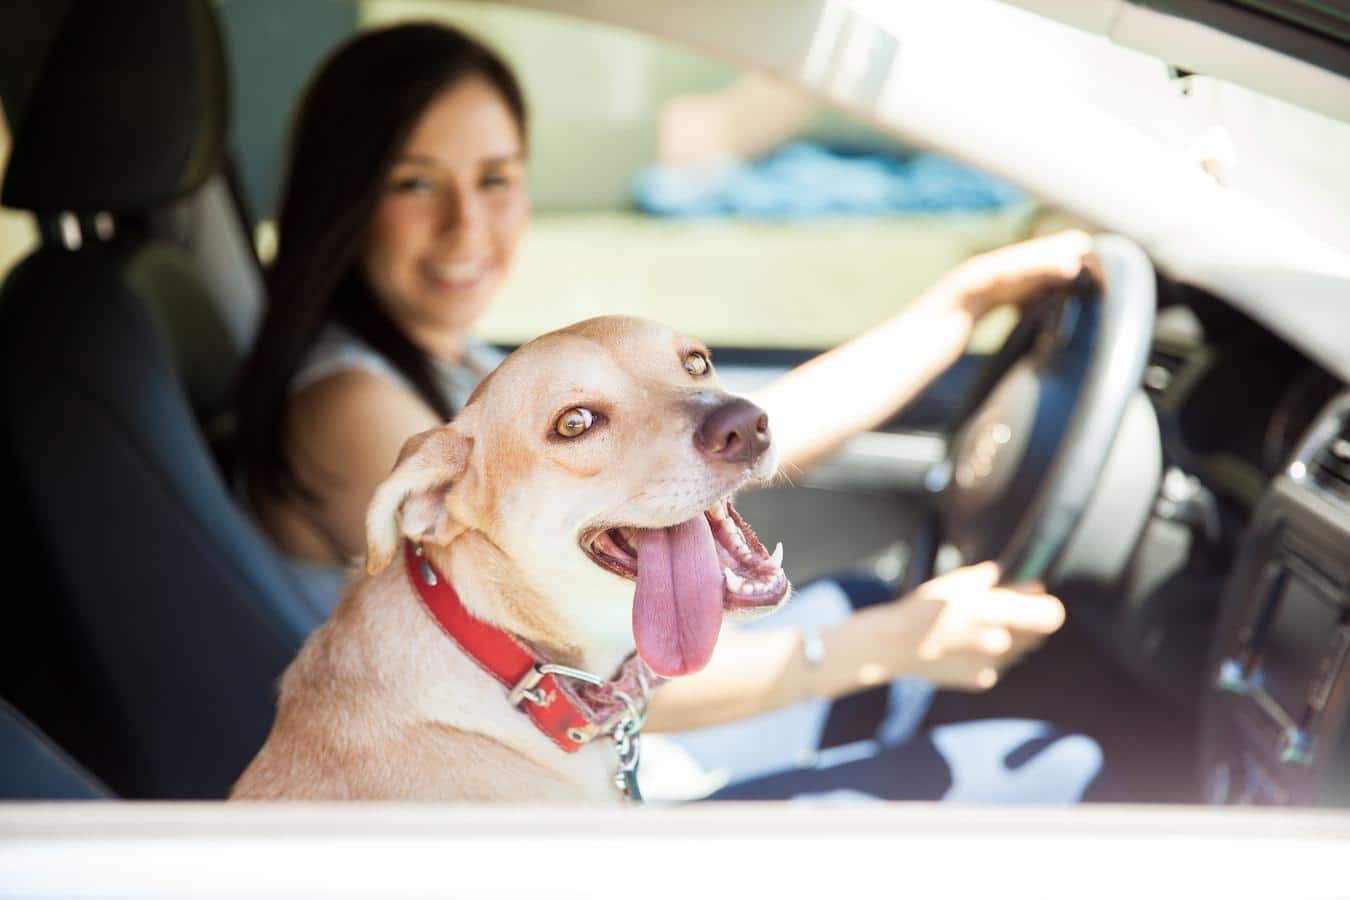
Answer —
469 702
592 769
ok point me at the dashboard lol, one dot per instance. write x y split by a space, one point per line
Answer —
1276 708
1256 445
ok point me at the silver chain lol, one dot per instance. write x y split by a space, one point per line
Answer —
628 748
627 739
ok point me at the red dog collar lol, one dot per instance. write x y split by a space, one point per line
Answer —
570 715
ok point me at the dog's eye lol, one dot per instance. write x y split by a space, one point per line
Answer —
575 421
697 364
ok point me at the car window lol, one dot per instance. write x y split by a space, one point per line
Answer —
786 250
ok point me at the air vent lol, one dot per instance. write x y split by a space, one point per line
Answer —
1331 465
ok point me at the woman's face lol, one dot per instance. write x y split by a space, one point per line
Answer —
453 211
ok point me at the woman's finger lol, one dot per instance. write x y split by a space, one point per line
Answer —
988 640
994 640
979 577
1012 608
964 672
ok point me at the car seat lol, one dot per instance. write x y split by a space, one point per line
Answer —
37 769
180 609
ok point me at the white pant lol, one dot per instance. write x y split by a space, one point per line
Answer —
692 764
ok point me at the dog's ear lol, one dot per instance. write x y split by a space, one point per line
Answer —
413 501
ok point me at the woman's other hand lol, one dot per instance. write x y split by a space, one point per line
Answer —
962 631
1022 272
862 383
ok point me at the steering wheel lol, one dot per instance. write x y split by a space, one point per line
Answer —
1031 441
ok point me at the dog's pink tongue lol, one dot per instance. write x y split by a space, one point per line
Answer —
677 608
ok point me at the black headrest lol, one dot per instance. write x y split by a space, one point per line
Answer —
128 112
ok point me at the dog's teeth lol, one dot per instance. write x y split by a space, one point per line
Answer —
717 512
777 556
734 582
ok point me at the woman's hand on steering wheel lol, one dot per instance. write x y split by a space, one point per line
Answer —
1021 272
961 631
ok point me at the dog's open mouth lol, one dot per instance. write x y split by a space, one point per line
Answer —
752 576
687 575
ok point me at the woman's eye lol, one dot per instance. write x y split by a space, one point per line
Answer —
411 184
495 181
574 422
697 364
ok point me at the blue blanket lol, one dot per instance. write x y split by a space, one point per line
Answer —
805 180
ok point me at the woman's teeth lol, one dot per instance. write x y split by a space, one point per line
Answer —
460 273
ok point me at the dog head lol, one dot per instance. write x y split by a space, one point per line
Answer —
598 463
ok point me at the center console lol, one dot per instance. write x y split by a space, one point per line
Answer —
1275 710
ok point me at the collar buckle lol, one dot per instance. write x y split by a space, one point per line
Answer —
527 688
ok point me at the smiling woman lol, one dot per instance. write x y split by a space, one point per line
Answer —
388 251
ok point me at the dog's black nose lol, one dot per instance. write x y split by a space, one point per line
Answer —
737 431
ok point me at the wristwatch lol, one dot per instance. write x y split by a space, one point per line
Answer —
813 647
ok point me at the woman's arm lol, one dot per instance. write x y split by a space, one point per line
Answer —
344 434
816 407
858 385
959 631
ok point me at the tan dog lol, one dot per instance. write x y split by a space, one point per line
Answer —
578 503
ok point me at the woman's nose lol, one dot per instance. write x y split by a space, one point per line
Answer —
460 211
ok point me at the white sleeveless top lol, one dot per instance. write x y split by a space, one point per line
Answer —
338 350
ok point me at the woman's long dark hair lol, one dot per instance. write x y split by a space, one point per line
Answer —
355 117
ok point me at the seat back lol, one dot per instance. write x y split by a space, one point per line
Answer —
184 613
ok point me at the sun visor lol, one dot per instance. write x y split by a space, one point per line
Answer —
128 111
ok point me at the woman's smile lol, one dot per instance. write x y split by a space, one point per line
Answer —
461 276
